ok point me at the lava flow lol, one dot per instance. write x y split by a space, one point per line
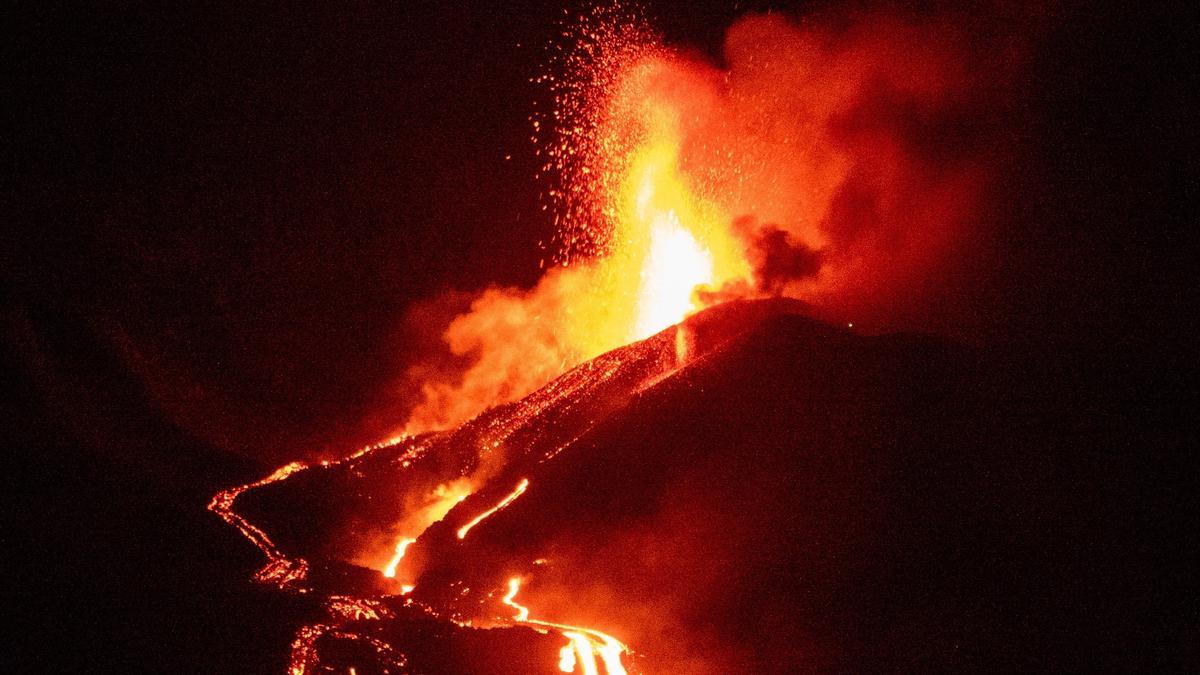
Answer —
584 644
679 186
517 492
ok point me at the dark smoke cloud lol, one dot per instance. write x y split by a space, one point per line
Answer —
778 258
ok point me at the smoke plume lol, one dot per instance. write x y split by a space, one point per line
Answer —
847 159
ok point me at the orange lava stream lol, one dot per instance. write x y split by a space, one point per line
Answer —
514 585
586 649
584 644
444 498
279 569
517 492
401 548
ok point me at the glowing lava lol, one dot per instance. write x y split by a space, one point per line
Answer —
514 586
286 573
517 492
436 505
401 548
675 265
584 644
279 569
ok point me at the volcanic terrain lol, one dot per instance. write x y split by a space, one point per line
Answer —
751 491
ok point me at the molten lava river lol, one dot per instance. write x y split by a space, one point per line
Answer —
678 185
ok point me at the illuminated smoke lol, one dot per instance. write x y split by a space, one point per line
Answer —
825 162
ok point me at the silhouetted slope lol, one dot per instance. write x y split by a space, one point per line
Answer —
798 498
787 497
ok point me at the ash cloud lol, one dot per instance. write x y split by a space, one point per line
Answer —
865 146
778 259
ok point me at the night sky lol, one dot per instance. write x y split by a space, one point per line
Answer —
219 223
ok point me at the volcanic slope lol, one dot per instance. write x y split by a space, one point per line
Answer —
752 491
795 498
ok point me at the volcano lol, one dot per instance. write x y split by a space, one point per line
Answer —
242 238
749 491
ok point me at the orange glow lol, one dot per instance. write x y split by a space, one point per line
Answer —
585 655
583 644
401 547
678 184
653 240
517 492
675 264
431 509
566 658
514 585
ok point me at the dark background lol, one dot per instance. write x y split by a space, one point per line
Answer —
216 219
